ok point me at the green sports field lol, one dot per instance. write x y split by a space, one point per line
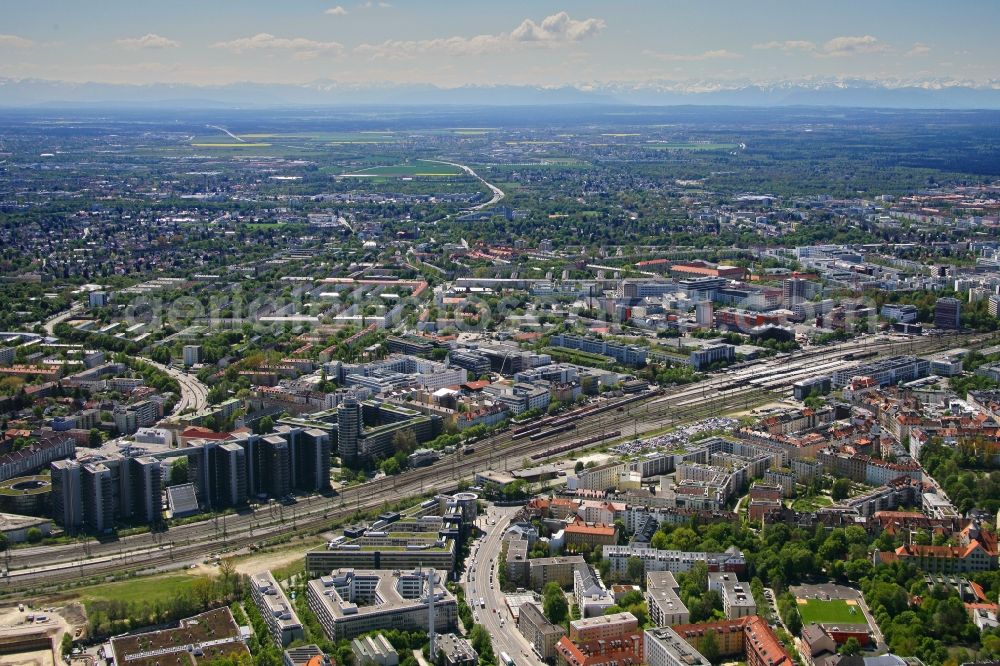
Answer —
834 611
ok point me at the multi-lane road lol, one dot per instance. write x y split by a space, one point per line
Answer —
498 194
194 394
481 583
43 568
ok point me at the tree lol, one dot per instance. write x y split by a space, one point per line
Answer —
390 466
850 647
34 535
554 604
709 646
635 570
66 645
404 440
841 488
265 425
3 542
178 471
95 438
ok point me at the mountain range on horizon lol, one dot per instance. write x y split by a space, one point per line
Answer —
927 94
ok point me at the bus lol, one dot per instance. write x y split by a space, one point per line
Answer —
505 659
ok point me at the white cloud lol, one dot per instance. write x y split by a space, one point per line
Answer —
336 11
788 45
148 41
918 49
301 48
838 47
372 4
13 41
849 46
555 30
718 54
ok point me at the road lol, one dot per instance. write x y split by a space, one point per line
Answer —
48 567
50 325
498 194
194 394
481 583
223 129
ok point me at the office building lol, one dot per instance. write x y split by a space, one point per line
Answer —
374 651
350 602
453 650
192 355
349 430
704 315
279 616
948 313
885 371
793 291
305 655
630 355
706 356
98 299
903 313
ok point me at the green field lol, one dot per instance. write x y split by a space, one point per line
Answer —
693 146
834 611
811 503
151 589
416 169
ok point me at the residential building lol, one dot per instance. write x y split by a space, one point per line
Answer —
535 627
97 494
663 599
592 597
277 611
67 507
664 647
737 601
675 561
545 570
580 533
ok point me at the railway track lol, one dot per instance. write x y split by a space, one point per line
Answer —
55 566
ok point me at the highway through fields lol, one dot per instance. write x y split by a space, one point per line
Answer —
498 194
45 567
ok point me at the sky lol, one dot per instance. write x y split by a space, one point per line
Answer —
693 45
